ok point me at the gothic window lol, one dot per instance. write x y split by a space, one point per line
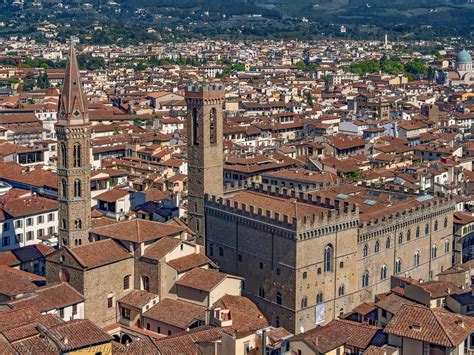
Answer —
328 255
319 298
342 290
78 223
278 298
445 224
213 126
194 126
427 229
388 243
366 250
435 226
365 279
408 235
446 246
400 238
377 247
434 251
417 232
77 188
77 155
398 266
383 272
63 152
64 188
416 258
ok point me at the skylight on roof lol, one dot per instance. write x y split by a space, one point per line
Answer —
342 196
424 198
370 202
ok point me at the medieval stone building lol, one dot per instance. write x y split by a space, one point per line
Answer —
205 151
73 133
308 257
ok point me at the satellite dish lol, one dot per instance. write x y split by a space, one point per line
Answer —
301 329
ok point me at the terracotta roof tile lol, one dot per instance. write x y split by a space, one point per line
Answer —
99 253
137 230
201 279
178 313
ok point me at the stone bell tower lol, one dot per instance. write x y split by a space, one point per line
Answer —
73 132
205 151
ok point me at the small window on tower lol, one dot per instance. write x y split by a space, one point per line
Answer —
213 126
195 126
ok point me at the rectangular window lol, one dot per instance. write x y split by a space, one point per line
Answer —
110 302
50 217
40 219
29 221
50 230
74 309
61 313
6 226
40 232
19 238
29 236
18 223
6 241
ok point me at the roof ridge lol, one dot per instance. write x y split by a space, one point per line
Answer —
441 324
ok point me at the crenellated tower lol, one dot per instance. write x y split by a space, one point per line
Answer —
73 132
205 151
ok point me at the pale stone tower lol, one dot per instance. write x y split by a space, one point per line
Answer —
73 133
205 151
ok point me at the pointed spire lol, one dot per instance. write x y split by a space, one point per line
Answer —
72 105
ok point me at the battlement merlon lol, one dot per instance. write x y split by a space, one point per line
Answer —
212 91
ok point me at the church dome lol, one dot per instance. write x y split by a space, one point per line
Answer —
463 57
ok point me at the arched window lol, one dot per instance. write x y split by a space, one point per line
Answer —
417 232
398 266
365 279
278 298
78 223
77 155
145 283
377 247
64 188
400 238
446 246
328 255
445 224
63 152
408 235
388 243
126 282
366 250
319 298
77 188
342 290
427 229
435 226
304 302
383 272
434 251
195 126
213 126
416 258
